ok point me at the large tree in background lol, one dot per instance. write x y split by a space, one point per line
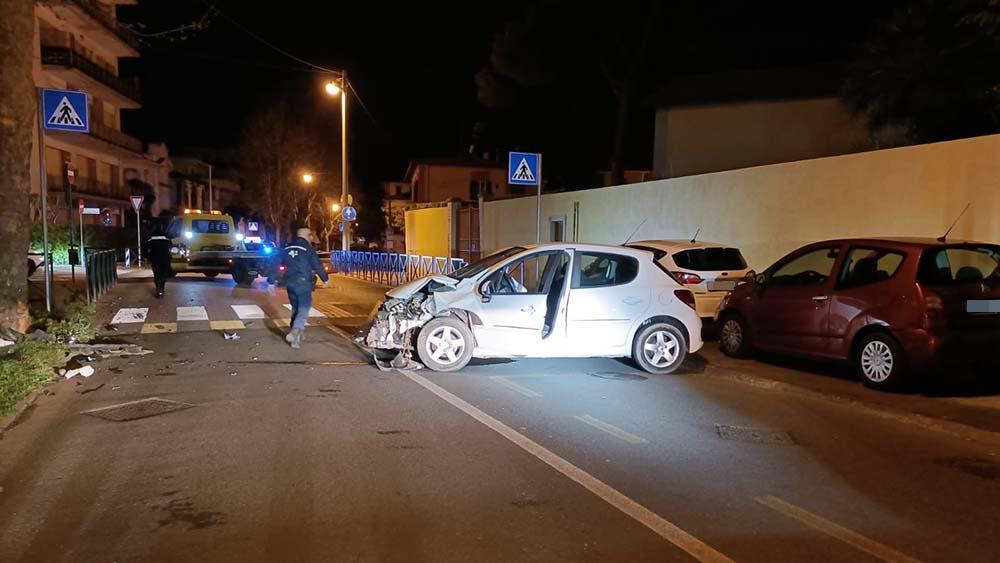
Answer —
17 113
573 46
932 71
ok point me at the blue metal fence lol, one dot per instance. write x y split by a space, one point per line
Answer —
391 269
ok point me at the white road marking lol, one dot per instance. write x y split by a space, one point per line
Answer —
850 537
136 315
515 386
245 312
312 312
612 429
192 314
668 531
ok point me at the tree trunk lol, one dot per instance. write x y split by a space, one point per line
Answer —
17 115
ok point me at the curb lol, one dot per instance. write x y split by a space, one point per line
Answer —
958 430
8 420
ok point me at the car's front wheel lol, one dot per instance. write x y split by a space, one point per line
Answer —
445 344
211 275
660 348
734 336
881 363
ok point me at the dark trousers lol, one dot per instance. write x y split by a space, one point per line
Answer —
160 276
300 297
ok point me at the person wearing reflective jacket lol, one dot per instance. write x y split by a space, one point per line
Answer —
301 265
158 252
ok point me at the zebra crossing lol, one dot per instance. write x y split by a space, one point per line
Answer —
193 318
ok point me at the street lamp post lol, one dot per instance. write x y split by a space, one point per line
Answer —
334 89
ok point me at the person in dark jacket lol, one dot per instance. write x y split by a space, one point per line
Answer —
158 250
301 264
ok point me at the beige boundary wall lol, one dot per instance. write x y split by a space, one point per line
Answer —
770 210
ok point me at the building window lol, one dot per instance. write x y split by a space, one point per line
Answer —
557 229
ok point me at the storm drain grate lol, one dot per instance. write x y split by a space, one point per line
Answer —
137 409
754 435
619 375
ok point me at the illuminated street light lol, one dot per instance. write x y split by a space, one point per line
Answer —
332 88
335 207
307 178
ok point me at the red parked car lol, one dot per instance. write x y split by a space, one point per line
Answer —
891 306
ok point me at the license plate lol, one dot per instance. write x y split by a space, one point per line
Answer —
982 306
727 285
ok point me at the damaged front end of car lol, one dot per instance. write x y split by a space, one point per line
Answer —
395 323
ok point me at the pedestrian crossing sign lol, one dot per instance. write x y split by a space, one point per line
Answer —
524 169
65 110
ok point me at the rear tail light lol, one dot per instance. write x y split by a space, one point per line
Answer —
281 268
686 297
687 278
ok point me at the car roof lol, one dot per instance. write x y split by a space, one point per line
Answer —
909 242
636 252
676 245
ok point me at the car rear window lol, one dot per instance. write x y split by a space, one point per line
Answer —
959 264
209 226
710 259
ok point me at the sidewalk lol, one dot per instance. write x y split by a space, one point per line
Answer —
970 409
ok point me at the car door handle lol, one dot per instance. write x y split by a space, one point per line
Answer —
631 301
529 309
821 298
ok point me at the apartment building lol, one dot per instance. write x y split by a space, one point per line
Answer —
78 44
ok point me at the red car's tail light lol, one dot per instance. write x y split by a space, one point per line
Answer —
686 297
687 278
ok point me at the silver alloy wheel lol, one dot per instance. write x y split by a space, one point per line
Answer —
877 361
661 349
445 345
732 335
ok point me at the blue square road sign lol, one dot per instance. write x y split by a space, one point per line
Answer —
524 169
65 110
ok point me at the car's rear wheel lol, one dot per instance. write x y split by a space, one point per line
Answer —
660 348
881 362
211 275
734 336
445 344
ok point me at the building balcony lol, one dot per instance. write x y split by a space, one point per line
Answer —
97 20
66 58
115 137
89 187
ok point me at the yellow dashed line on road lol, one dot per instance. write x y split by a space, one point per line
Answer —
159 328
226 325
612 429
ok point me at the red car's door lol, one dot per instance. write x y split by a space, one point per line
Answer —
864 288
792 311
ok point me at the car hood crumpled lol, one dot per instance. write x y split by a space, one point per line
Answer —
408 289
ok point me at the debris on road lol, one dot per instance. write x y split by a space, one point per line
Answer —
40 334
90 389
85 371
232 336
104 351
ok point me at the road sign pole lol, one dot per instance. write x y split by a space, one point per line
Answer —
538 204
79 249
45 205
138 239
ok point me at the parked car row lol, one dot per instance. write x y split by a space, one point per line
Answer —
890 306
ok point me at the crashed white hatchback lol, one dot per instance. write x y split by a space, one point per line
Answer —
545 301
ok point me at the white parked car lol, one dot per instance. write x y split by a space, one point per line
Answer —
709 269
545 301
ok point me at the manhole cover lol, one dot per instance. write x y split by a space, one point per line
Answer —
137 409
756 435
619 375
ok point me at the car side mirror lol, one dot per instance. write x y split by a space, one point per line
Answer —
487 291
750 276
759 280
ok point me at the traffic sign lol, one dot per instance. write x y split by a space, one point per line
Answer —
91 210
524 169
349 213
253 226
65 110
136 202
81 206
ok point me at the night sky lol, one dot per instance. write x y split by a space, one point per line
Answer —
413 65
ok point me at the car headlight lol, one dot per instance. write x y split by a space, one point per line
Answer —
239 237
174 250
188 235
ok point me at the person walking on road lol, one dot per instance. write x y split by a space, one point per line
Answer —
159 257
302 265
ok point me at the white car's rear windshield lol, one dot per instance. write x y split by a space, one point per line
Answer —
710 259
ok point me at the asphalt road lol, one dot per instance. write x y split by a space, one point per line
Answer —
319 456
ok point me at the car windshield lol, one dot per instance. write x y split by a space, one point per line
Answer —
959 264
710 259
209 226
476 268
